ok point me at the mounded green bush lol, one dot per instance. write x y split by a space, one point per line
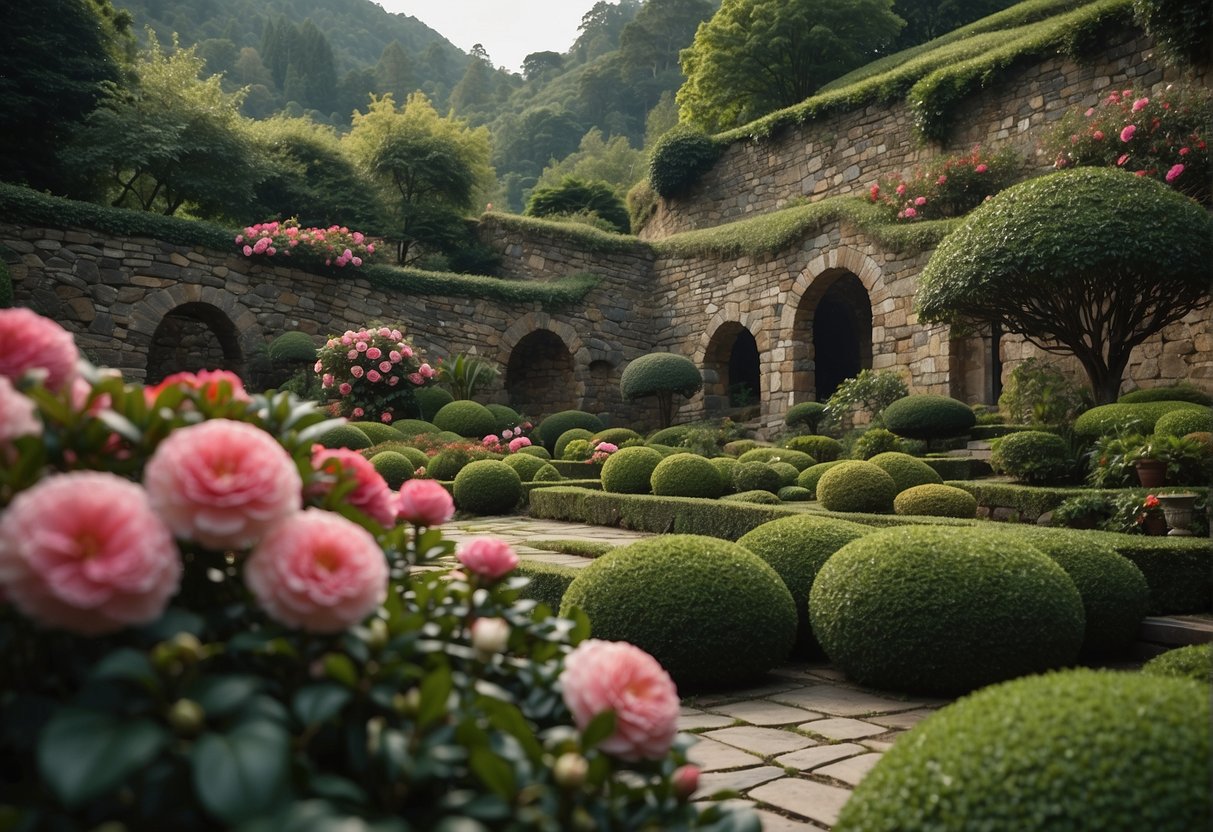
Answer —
379 432
821 448
467 418
796 548
710 611
577 450
755 476
413 427
662 375
445 465
671 436
345 436
765 498
431 399
935 500
1183 422
1175 393
928 417
809 477
1192 662
686 475
570 435
854 485
292 348
449 436
944 610
394 467
725 466
808 414
875 441
536 451
906 471
1109 419
1075 750
505 417
679 158
798 458
739 446
416 457
524 465
794 494
547 473
550 429
628 470
787 473
1032 456
616 436
487 486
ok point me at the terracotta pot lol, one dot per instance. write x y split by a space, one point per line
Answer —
1151 473
1155 525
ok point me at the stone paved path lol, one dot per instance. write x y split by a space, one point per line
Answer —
793 747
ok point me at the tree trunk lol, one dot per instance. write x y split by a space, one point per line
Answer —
1105 375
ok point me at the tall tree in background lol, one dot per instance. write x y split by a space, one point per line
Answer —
928 19
301 62
757 56
393 73
650 44
601 28
474 92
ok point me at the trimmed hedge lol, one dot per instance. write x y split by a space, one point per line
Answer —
711 612
536 451
1192 662
378 432
1108 419
467 418
1030 501
756 476
679 158
942 611
562 442
1077 750
616 436
856 486
798 458
394 467
548 583
628 470
821 448
345 436
292 348
726 466
550 429
524 465
686 475
809 476
1176 393
758 496
576 470
906 471
487 486
950 467
671 436
808 414
787 472
935 500
413 427
739 446
928 417
430 400
1032 456
794 494
1179 571
549 473
505 417
1183 422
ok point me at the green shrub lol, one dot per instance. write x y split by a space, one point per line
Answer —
549 581
431 399
856 486
798 458
876 441
807 414
869 392
572 435
616 436
1033 457
467 418
710 611
1182 392
551 428
809 476
935 500
413 427
794 494
1183 422
679 158
1179 571
661 375
573 546
345 436
445 465
686 475
755 476
1038 393
1110 419
757 496
292 348
1076 750
504 416
378 432
943 610
671 436
787 472
417 458
535 451
726 466
1192 662
628 470
524 465
740 446
906 471
928 417
487 486
547 473
574 196
951 467
1181 30
796 548
665 450
394 467
577 450
821 448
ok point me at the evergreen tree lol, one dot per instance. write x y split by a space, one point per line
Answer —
315 63
394 73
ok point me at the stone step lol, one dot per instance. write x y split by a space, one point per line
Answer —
1161 633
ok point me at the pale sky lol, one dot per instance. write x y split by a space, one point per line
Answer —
509 29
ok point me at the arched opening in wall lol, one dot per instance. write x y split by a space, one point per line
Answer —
832 335
539 376
732 377
192 337
602 393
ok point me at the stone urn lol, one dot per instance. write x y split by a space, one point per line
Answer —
1178 509
1151 473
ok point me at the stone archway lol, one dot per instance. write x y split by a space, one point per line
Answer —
214 317
539 375
732 368
191 337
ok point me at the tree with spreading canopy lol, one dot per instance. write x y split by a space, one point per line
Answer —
757 56
1090 261
661 375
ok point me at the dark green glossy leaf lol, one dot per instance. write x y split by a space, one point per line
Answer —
339 667
127 665
494 772
320 702
242 773
83 755
600 727
435 690
223 695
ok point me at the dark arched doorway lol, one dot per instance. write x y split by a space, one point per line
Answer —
192 337
733 376
833 335
539 376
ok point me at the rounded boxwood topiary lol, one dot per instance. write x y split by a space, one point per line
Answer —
679 158
536 451
413 427
1032 456
1183 422
616 436
547 473
755 476
394 467
686 475
928 417
761 497
739 446
854 485
944 610
562 443
467 418
875 441
1174 393
725 466
664 450
628 470
445 465
418 457
524 465
379 432
821 448
345 436
1110 419
794 494
487 486
291 348
661 375
1192 662
550 429
1076 750
798 458
431 399
787 472
671 436
505 417
710 611
808 414
577 450
905 470
935 500
796 548
808 478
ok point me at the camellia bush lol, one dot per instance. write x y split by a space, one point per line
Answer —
371 373
333 246
947 187
210 622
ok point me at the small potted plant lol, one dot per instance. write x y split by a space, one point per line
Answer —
1150 462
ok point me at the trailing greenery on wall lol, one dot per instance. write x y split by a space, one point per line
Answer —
562 292
585 237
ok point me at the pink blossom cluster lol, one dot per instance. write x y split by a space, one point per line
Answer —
947 187
370 372
512 439
602 452
335 245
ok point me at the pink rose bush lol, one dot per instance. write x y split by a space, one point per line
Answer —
335 246
371 370
30 343
371 495
947 187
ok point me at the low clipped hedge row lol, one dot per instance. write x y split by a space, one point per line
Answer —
548 581
1108 419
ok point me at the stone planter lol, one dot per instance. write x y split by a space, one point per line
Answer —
1178 509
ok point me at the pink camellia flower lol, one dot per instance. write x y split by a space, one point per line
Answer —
373 353
84 552
319 572
347 339
361 346
371 495
1097 135
32 343
385 416
352 355
685 781
385 366
910 213
357 372
615 676
327 380
1184 151
18 414
358 413
489 440
394 356
1140 104
426 371
874 192
344 388
406 350
415 378
395 335
518 443
488 557
373 376
901 189
1174 173
1127 133
1124 157
215 386
222 483
425 502
248 251
357 261
981 168
393 381
920 201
